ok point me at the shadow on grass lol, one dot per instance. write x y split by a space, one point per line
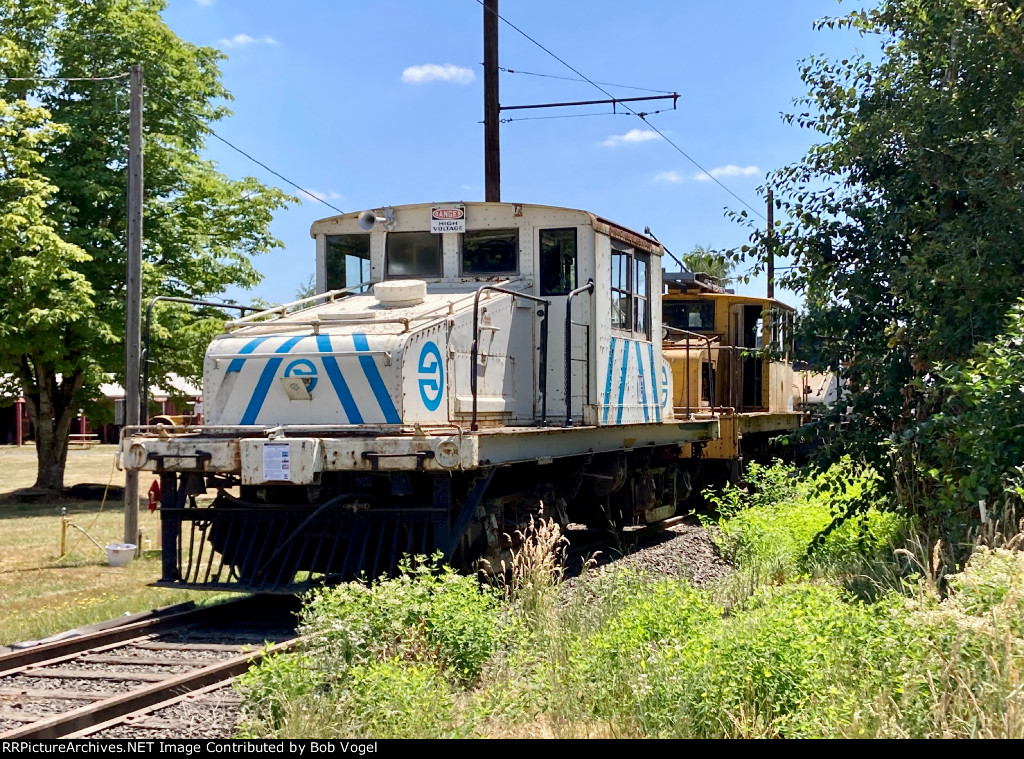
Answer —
12 507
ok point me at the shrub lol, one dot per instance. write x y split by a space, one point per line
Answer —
424 614
824 525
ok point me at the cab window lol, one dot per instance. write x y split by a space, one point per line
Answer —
413 254
557 261
347 260
490 251
695 315
631 291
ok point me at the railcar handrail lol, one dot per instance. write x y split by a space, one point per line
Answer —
542 380
144 401
281 310
711 385
589 287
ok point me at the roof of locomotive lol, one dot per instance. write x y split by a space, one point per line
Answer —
333 224
678 290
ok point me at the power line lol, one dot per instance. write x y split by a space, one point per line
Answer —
62 78
587 79
276 174
204 125
237 149
574 79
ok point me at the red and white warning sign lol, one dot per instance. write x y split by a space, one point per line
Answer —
447 219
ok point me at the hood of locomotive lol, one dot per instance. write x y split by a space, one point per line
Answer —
350 362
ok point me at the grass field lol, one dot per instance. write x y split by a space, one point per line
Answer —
43 592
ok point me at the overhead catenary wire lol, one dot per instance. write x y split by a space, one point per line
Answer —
661 134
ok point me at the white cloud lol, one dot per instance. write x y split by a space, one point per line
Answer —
312 196
732 170
672 177
434 72
241 40
633 135
205 2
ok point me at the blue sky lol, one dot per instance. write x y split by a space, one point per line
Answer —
378 102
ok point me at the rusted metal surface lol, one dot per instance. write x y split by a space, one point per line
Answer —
628 236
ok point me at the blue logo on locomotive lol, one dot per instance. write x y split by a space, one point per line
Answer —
302 368
664 386
431 376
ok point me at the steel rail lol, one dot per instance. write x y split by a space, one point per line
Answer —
61 649
148 696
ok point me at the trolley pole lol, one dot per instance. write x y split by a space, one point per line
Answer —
771 244
133 296
492 143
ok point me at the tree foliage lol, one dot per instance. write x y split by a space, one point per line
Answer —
904 222
200 227
711 262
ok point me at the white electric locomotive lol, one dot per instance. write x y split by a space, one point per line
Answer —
465 366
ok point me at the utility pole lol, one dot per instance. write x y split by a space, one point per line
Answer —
133 296
492 144
771 244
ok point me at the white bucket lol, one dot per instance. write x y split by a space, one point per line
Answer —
120 554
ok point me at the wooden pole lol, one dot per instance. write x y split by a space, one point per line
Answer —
771 244
133 296
19 414
492 144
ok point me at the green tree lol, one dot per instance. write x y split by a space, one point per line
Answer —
307 289
904 222
200 227
711 262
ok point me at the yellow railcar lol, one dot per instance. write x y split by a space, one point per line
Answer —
730 357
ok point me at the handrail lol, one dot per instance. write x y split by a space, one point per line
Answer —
149 317
282 309
589 287
711 385
433 313
543 380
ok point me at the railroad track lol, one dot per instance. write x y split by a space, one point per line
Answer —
169 675
142 675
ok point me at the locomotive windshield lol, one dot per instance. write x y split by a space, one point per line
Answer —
696 315
413 254
347 260
490 251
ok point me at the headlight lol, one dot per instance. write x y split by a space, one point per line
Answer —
447 454
137 456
